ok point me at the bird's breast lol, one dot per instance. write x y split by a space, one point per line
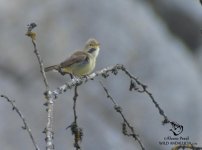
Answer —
85 67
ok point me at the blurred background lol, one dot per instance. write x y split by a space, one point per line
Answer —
159 41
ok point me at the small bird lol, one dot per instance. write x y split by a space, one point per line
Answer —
80 63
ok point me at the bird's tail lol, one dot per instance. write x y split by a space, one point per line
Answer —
54 67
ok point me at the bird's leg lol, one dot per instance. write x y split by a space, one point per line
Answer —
71 76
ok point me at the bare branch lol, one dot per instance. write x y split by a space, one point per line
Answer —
144 90
49 126
125 121
76 130
25 127
32 35
74 106
48 94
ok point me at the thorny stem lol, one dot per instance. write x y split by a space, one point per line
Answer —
48 94
76 144
74 106
144 90
76 130
41 65
25 127
119 110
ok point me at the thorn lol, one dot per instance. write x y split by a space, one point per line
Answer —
44 131
68 126
105 75
45 104
124 130
115 71
144 87
117 108
165 121
13 108
23 127
132 85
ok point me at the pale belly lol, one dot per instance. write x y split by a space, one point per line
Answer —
83 69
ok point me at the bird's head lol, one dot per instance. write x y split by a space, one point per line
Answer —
92 46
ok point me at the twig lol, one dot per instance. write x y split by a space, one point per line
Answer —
74 106
125 122
144 90
25 127
32 35
49 126
41 65
48 94
76 130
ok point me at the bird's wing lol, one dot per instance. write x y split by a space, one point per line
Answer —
76 57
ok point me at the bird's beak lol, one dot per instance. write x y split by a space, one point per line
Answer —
92 49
